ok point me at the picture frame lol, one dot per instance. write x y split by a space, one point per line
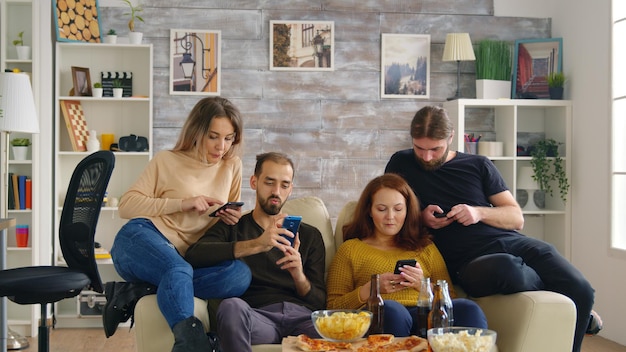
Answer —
82 81
405 66
533 60
72 25
302 45
195 60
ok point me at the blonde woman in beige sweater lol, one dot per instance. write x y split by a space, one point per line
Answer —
168 207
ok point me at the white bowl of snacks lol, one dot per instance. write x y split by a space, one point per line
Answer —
341 325
461 339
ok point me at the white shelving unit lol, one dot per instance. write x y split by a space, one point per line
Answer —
119 116
18 16
515 122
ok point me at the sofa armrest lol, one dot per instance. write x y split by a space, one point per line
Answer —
152 334
531 321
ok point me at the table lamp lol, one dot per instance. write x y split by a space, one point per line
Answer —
17 114
458 48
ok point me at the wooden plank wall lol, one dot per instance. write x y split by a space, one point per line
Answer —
334 125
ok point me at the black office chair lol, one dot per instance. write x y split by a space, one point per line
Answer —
48 284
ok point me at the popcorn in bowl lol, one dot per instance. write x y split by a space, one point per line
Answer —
342 325
461 339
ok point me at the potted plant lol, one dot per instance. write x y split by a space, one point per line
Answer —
117 88
548 166
556 80
494 60
111 37
23 51
134 37
97 90
20 148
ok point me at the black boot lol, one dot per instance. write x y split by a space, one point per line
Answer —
189 336
120 305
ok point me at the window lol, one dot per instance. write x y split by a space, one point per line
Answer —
307 35
618 170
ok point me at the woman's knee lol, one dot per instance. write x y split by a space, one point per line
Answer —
468 313
397 320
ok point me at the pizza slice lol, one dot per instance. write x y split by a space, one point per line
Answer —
306 343
410 344
378 340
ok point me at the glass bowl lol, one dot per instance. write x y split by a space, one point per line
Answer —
341 325
460 338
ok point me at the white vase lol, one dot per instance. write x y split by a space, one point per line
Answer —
493 89
117 92
23 52
135 37
93 144
97 92
20 152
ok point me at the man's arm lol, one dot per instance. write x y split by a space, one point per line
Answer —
505 214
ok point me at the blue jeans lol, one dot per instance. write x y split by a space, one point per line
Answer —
399 319
141 253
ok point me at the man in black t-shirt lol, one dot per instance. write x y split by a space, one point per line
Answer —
478 236
287 282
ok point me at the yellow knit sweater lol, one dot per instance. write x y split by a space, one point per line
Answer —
356 261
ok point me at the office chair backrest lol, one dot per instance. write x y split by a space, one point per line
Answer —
80 213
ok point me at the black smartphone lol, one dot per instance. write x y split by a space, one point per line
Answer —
292 223
402 262
229 205
441 215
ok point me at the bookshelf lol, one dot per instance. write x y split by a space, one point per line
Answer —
21 16
106 115
517 122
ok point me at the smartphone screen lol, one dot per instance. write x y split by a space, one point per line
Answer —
402 262
230 205
292 223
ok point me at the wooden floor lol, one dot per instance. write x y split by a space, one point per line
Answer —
93 340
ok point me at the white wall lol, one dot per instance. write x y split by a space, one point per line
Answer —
585 30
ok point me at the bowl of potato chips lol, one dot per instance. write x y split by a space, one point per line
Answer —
341 325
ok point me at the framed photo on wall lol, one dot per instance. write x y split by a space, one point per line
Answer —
405 66
533 60
195 59
302 45
82 81
78 22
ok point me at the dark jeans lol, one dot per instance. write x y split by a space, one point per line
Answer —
519 264
239 326
399 319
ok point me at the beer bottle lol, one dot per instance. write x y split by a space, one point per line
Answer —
448 300
376 305
438 316
424 304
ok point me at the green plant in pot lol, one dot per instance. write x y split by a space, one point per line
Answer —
20 148
548 166
556 81
494 61
134 36
20 142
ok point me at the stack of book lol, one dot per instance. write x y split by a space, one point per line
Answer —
20 192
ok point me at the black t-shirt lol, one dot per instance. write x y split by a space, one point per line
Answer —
270 284
465 179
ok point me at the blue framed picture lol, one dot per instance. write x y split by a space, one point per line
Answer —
534 59
76 22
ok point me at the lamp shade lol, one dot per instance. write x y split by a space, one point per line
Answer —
525 178
17 106
458 48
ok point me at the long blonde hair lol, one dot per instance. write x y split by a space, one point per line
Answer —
196 128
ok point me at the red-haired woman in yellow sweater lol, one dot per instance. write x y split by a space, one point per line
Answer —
386 227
